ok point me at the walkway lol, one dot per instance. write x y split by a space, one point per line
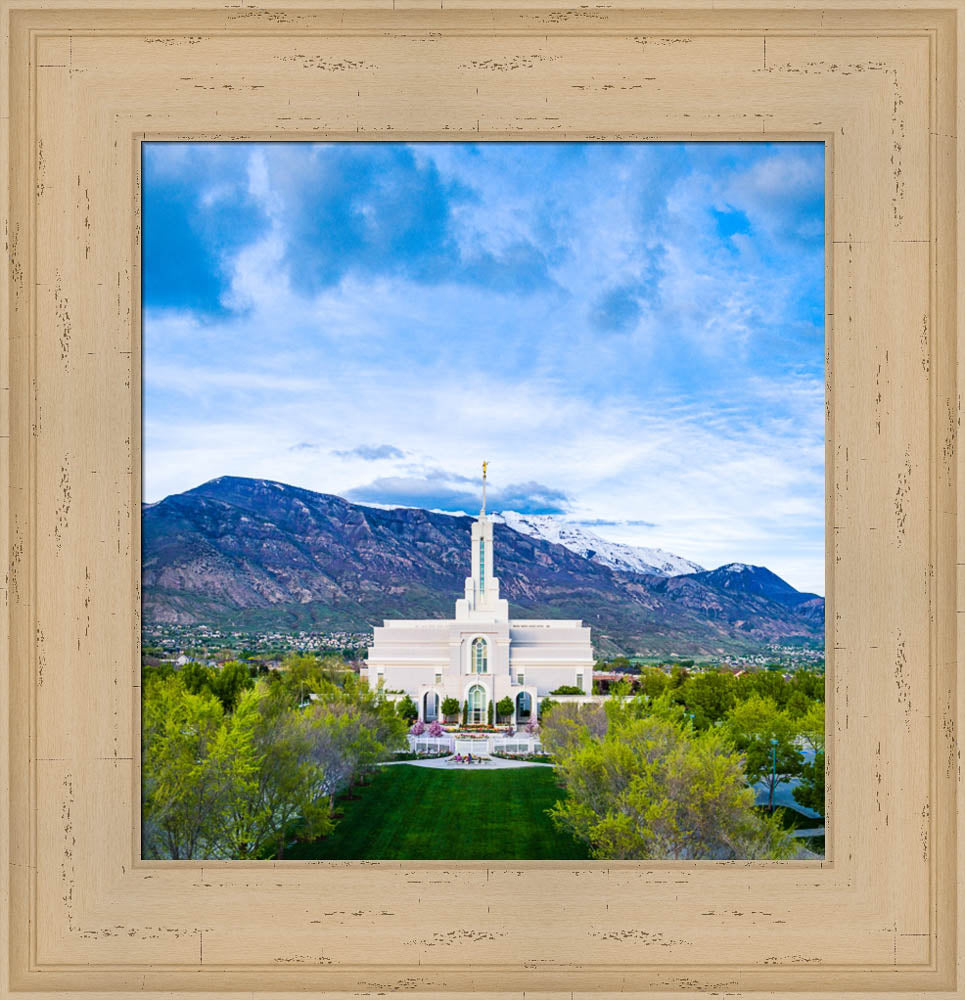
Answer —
448 764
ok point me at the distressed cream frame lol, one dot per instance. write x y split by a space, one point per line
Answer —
878 83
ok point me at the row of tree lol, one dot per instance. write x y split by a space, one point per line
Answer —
234 766
450 709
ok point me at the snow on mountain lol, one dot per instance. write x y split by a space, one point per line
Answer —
626 558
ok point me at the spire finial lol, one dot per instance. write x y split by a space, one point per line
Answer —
483 510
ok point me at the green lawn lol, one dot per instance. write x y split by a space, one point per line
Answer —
420 813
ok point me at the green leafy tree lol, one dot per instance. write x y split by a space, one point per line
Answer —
489 712
504 708
186 768
809 682
763 684
811 726
449 707
752 725
229 682
196 677
465 713
406 709
571 724
651 788
708 696
301 676
288 792
810 792
653 682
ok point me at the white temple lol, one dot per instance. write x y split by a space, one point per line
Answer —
481 656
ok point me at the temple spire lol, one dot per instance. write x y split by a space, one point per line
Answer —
482 601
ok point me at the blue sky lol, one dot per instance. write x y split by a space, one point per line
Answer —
631 333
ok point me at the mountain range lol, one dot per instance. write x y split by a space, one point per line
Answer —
256 554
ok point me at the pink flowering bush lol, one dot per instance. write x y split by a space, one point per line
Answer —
532 726
435 729
419 728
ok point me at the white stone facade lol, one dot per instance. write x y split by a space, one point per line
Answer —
480 656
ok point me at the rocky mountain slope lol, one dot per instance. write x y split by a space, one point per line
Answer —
258 554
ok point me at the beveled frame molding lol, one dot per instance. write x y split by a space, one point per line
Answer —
79 911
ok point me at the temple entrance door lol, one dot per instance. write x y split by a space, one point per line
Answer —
477 704
524 707
430 703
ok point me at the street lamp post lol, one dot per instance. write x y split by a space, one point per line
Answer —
773 772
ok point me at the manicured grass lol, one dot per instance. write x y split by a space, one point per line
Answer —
420 813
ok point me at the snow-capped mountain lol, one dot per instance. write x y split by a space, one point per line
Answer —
586 543
266 556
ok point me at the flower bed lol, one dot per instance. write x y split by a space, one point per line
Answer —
536 758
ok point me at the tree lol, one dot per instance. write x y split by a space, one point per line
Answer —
183 781
196 677
300 676
764 684
752 725
653 682
332 734
465 713
228 683
650 788
709 697
449 707
435 729
418 728
811 726
572 724
810 683
489 712
406 709
289 788
504 708
810 792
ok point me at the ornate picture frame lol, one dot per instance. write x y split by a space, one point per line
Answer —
879 85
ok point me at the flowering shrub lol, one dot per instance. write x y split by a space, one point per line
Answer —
532 726
419 728
435 730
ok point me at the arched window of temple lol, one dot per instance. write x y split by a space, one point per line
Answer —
479 657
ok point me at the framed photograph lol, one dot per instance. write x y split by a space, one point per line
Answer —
356 645
599 199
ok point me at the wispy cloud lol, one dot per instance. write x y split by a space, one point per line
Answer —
371 453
